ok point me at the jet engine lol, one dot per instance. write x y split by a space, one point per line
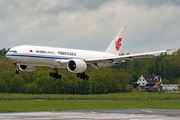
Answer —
27 68
76 66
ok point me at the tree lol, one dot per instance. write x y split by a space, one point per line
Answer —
3 86
16 84
3 52
85 87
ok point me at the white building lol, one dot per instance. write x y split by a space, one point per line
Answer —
150 83
151 80
170 87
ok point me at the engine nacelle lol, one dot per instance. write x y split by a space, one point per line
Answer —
76 66
27 68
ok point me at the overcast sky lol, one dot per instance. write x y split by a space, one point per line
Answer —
91 24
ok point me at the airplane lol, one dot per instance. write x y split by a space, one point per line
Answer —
28 57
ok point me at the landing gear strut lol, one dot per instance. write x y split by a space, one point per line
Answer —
55 74
83 76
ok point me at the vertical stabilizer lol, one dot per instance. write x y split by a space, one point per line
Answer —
116 44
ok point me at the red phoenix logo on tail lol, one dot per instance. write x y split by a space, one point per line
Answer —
118 44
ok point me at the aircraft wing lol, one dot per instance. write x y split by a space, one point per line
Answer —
123 57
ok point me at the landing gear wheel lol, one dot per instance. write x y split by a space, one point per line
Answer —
87 77
55 74
51 74
78 74
60 76
83 76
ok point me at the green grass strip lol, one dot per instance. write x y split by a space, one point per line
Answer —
59 105
112 96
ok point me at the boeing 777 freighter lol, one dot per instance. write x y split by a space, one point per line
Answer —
28 57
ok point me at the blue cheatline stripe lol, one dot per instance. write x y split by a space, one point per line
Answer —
42 56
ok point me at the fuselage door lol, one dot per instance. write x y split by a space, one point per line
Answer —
27 52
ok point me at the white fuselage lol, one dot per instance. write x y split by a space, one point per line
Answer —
52 57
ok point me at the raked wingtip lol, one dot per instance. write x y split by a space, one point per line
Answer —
170 49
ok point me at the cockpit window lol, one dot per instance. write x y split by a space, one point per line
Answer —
13 51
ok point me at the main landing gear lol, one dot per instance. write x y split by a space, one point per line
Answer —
83 76
55 74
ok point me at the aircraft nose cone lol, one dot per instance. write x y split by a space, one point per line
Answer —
7 55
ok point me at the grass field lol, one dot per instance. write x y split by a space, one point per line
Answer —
29 102
114 96
58 105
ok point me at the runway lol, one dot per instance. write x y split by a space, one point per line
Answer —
122 114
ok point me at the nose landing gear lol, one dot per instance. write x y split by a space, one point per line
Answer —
17 69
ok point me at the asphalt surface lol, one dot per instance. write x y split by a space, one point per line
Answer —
120 114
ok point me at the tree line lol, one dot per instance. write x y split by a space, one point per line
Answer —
120 78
